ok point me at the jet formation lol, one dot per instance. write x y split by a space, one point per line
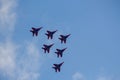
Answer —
57 67
63 38
46 48
35 31
60 52
49 34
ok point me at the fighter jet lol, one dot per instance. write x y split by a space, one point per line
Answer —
60 52
57 67
46 48
49 34
63 38
35 31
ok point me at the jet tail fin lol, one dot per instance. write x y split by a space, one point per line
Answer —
32 32
60 40
55 69
44 49
47 35
57 54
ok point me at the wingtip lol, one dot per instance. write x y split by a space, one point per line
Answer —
69 34
65 48
62 62
32 27
41 27
52 44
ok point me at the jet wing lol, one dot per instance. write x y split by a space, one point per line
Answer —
57 49
61 36
44 45
48 31
55 64
33 28
61 63
38 29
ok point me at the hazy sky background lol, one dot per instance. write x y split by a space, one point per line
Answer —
93 49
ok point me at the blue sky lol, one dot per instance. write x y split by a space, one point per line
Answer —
93 47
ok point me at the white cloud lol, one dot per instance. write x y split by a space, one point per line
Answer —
29 65
7 15
7 56
17 65
28 76
103 78
107 78
78 76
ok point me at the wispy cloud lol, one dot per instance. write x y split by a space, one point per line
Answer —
104 78
29 65
7 15
7 47
103 75
20 65
17 61
78 76
7 57
28 76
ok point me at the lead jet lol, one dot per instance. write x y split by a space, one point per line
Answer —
35 31
60 52
57 67
63 38
46 48
49 34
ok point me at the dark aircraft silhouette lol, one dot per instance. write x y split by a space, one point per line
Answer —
57 67
46 48
63 38
35 31
49 34
60 52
